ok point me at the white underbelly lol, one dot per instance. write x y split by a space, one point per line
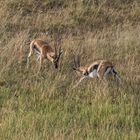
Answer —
93 74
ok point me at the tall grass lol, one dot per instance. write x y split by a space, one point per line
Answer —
45 106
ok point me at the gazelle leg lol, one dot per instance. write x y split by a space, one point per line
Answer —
38 57
41 62
100 73
100 77
118 79
30 54
50 58
28 58
116 76
107 73
81 79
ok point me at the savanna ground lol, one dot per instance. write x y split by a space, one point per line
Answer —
44 106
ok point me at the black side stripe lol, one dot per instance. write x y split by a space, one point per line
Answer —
95 67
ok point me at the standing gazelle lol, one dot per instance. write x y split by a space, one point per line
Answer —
44 51
99 69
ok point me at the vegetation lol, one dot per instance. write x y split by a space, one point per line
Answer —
45 106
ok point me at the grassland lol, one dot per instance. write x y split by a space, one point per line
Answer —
44 106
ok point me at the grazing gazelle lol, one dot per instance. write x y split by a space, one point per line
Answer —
99 69
44 51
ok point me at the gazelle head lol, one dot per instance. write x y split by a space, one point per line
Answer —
56 57
79 69
57 50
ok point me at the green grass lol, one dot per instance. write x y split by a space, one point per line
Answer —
45 106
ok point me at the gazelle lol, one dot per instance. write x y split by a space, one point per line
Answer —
44 51
100 69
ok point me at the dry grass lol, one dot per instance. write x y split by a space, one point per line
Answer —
44 106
